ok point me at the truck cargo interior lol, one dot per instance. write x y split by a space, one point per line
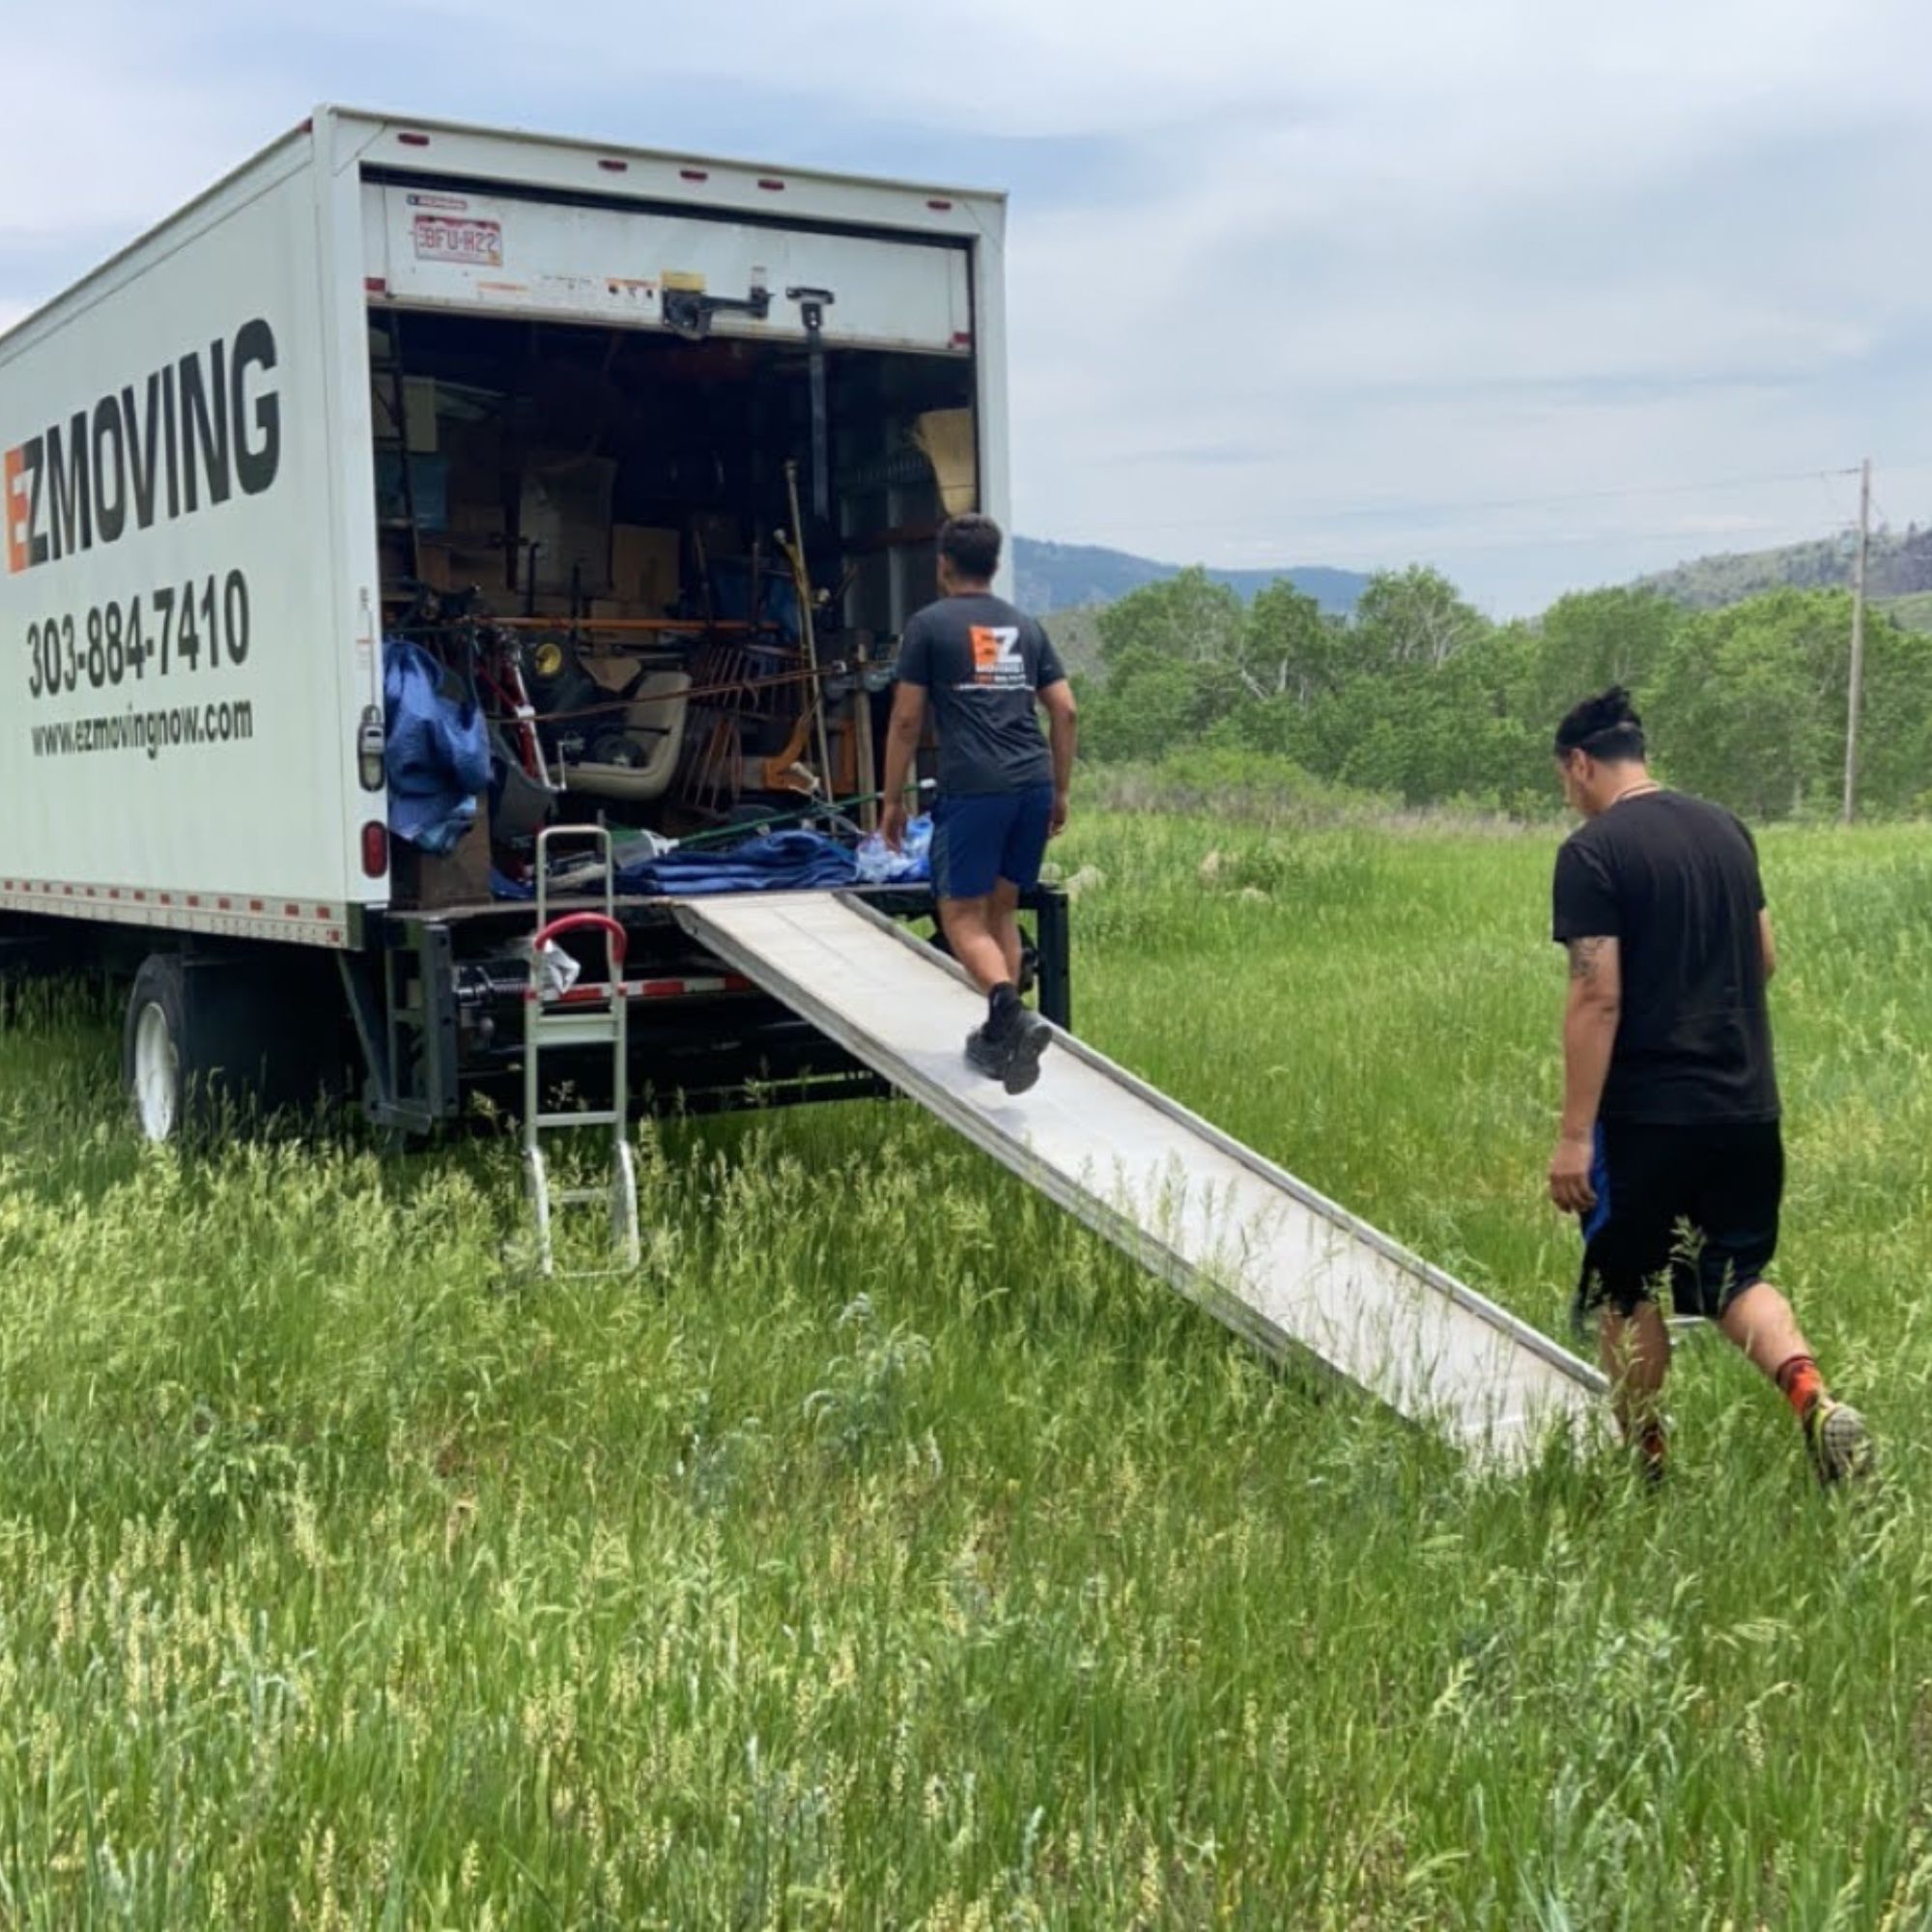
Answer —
592 530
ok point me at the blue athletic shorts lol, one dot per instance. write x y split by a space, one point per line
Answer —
983 838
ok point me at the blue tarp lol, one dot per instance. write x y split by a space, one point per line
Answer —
777 595
438 750
781 862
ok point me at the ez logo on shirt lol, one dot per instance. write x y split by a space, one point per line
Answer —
998 662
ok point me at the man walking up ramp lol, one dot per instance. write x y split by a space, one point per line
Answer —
1271 1258
984 671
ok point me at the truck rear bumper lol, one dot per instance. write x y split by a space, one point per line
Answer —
437 998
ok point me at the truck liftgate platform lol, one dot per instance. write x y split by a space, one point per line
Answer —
1290 1271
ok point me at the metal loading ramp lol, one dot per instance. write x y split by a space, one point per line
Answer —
1285 1268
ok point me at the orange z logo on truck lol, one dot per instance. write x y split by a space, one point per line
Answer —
14 511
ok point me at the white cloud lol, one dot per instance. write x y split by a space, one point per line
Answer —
1381 266
106 131
1377 313
1091 66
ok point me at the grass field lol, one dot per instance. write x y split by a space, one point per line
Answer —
891 1553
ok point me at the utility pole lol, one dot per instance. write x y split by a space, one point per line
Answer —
1858 677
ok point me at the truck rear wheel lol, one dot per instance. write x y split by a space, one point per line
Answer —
214 1045
155 1049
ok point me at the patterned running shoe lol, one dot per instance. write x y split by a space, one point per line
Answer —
1839 1442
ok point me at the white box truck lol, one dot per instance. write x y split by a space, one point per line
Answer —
539 406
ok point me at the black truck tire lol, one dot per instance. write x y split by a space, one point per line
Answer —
215 1046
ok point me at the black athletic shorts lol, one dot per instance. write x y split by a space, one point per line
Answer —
1695 1207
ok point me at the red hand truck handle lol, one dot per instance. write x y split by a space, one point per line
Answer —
614 937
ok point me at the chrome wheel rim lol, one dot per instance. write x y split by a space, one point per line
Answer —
156 1073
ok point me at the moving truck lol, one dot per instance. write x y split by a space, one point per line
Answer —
641 454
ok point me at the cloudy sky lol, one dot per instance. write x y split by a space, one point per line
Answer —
1546 293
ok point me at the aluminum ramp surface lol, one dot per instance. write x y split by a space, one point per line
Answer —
1268 1256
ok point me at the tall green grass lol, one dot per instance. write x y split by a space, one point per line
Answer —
891 1553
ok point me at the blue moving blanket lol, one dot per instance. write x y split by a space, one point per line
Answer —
781 862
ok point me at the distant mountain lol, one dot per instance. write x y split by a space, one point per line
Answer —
1898 567
1066 577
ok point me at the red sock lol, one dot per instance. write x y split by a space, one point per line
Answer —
1801 1384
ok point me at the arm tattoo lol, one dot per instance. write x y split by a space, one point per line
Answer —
1584 953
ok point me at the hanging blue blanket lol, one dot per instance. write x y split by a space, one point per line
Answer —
436 754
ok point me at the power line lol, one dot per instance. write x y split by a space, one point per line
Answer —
1354 512
1631 489
1766 536
1840 514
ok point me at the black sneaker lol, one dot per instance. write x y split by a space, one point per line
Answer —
1011 1058
1032 1037
986 1056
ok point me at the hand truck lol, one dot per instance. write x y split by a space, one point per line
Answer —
589 1014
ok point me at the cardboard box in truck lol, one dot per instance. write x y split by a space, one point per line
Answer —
644 567
565 514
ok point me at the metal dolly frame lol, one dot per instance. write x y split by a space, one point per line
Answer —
588 1014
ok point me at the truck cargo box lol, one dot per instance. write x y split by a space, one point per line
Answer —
577 421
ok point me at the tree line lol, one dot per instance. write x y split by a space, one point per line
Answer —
1418 697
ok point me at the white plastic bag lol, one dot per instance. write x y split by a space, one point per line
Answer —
557 971
880 865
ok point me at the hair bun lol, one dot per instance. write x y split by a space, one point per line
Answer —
1611 709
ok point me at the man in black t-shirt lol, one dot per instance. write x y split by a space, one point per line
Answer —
1670 1150
985 671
